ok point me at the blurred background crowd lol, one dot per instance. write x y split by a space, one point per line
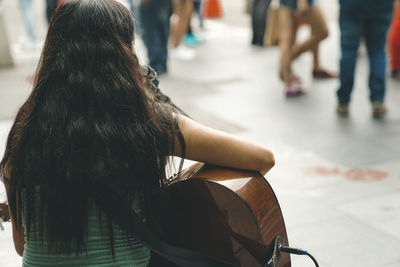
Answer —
173 29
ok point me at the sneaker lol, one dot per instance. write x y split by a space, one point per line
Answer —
294 91
192 40
182 53
378 110
342 110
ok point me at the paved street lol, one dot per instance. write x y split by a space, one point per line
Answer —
337 179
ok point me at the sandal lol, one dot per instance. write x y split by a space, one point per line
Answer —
294 90
324 74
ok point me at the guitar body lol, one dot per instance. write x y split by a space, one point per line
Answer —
225 213
228 214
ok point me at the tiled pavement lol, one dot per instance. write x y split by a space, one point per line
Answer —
337 180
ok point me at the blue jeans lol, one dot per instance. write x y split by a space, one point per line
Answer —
373 27
27 14
154 23
51 6
259 12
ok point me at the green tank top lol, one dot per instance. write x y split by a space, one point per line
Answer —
97 251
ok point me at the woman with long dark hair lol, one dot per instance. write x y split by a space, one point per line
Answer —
89 146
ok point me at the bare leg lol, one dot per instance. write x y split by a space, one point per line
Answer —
286 22
315 52
182 11
319 31
320 72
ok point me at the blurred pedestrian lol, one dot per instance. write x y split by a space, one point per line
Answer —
394 43
369 19
154 18
182 14
290 13
51 6
318 71
259 11
190 38
198 9
28 16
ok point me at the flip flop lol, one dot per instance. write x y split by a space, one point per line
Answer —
293 91
324 74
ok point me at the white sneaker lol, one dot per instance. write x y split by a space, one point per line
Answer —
37 45
24 44
182 53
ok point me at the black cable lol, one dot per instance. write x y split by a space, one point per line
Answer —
298 251
313 259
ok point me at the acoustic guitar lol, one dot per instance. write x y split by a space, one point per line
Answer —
229 214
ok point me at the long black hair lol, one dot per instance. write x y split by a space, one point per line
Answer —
90 132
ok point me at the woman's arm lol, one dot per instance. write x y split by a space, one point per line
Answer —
215 147
18 233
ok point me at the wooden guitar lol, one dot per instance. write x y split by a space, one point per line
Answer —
229 214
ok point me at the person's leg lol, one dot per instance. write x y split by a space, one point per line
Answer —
51 6
27 14
147 29
319 31
286 24
182 10
165 33
198 8
319 72
154 22
316 62
351 29
190 38
259 13
375 38
296 25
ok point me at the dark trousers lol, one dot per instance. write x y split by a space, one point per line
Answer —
51 6
154 23
259 13
373 28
